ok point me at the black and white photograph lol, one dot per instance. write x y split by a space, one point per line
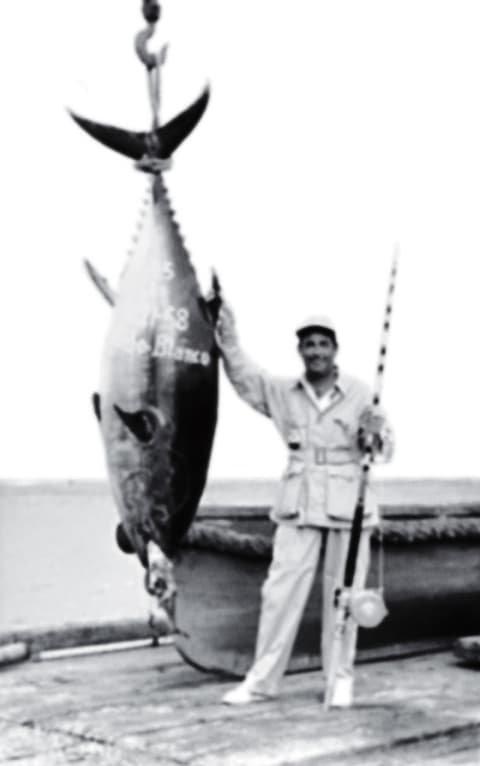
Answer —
239 462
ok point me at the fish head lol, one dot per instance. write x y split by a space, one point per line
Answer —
141 472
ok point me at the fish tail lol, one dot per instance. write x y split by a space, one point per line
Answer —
158 144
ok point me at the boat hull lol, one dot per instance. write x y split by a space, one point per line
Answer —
432 591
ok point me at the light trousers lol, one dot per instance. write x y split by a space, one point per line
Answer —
285 593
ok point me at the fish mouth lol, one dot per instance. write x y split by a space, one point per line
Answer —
123 541
161 586
161 621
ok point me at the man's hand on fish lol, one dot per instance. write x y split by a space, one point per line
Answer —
226 330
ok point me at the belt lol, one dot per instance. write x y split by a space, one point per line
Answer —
339 456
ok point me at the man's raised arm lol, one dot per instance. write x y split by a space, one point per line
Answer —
251 383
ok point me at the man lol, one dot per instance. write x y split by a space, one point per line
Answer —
325 419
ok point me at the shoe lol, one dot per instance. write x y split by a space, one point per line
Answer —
242 695
342 693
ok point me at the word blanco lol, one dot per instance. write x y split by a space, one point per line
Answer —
165 349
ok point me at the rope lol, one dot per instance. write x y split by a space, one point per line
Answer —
213 537
431 530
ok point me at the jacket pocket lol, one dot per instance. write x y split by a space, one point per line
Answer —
343 483
288 501
344 429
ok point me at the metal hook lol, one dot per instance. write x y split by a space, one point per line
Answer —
150 60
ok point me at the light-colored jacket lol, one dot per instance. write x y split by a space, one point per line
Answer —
320 484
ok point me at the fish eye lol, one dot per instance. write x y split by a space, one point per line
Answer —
143 424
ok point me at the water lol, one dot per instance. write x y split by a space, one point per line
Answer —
59 562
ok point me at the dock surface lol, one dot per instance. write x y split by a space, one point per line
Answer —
144 707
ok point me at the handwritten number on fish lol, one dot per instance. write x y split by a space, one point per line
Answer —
170 315
180 318
168 272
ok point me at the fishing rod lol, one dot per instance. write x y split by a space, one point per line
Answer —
368 607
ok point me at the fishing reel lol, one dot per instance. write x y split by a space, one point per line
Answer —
367 607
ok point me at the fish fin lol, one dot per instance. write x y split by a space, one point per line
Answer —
143 424
123 540
176 130
203 306
136 144
96 401
126 142
100 282
216 300
210 305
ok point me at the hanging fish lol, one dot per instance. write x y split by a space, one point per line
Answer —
157 401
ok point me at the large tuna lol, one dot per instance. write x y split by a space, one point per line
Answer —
157 402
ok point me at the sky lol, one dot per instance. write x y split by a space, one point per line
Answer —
336 129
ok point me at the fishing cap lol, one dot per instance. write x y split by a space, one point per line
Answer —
322 323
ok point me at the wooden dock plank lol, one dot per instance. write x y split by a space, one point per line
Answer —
136 707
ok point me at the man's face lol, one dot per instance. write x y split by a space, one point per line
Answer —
318 353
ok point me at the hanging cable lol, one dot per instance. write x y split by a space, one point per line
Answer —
152 62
